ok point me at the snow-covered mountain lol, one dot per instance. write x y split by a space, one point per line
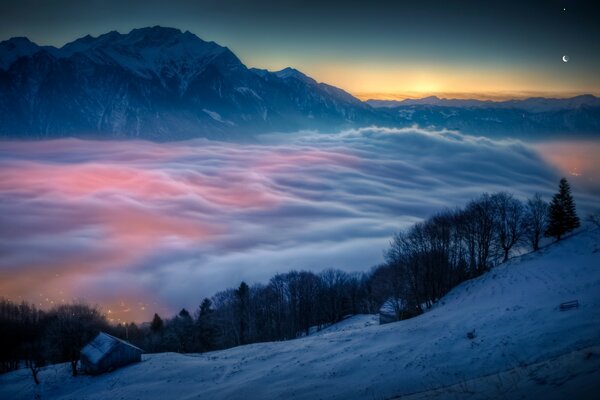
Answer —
533 104
15 48
163 84
158 83
534 118
522 346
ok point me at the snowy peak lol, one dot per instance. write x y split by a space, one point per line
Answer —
162 83
152 37
15 48
291 73
148 52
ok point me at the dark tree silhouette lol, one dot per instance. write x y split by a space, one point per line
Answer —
536 212
510 222
72 326
562 216
243 308
184 314
157 324
537 220
205 326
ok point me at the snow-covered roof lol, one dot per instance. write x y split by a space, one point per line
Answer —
102 345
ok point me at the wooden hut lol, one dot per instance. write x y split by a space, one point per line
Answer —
106 353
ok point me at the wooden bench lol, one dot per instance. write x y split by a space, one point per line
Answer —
568 305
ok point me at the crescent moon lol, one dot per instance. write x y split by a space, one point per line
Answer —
565 58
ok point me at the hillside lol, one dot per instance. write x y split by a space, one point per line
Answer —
523 346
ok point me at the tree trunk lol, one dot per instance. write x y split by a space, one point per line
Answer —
34 373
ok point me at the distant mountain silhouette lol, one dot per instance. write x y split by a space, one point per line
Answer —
534 104
164 84
531 118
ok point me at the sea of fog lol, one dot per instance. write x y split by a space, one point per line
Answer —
142 227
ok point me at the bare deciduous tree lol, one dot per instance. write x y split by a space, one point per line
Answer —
537 220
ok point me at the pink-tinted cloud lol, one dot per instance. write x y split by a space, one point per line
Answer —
143 227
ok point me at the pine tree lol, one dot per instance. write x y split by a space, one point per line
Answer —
562 215
243 297
572 221
157 323
185 315
206 330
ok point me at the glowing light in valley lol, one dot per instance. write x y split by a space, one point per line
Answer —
577 158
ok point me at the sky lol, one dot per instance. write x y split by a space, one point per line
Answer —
141 227
375 49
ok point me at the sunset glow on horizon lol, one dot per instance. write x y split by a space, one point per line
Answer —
399 82
388 50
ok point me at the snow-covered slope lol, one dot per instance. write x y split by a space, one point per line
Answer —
524 346
354 323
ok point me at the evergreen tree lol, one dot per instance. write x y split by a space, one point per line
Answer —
562 215
243 310
205 308
183 329
206 329
157 323
185 315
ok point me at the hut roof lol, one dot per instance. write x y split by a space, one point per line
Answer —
102 345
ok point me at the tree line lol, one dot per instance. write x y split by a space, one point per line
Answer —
422 264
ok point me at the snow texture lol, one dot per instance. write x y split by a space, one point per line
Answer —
524 346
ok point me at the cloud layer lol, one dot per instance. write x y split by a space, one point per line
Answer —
142 227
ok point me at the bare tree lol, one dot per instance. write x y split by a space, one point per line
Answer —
478 224
594 218
536 220
72 326
510 222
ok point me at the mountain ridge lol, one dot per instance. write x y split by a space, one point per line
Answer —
533 104
162 83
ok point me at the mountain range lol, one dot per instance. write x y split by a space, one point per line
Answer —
164 84
533 104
